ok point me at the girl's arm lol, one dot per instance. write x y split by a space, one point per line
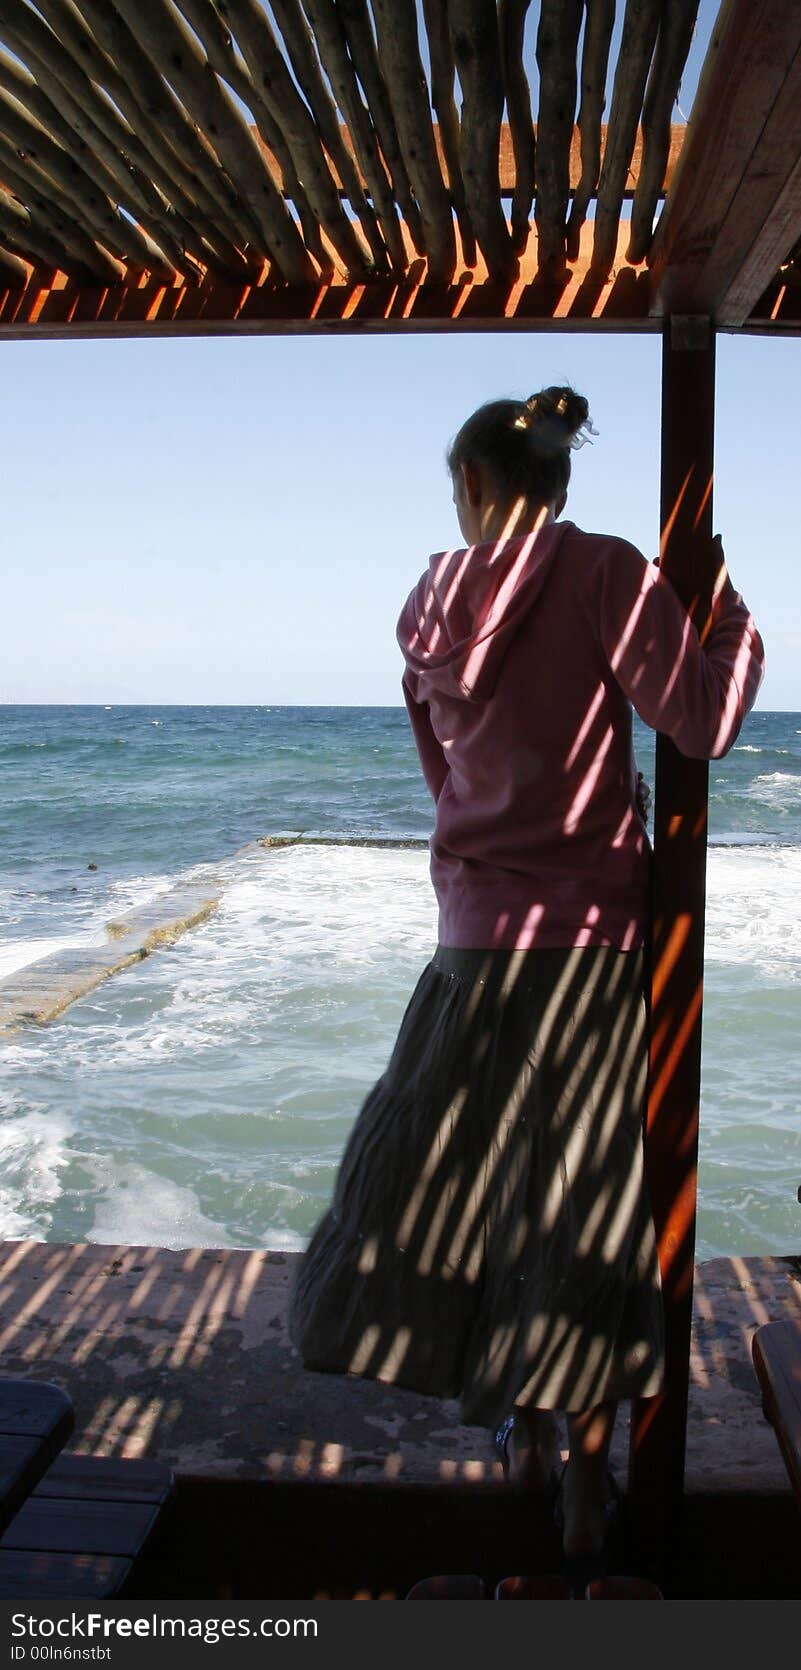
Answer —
697 694
432 758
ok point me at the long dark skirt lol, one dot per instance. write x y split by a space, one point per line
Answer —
490 1236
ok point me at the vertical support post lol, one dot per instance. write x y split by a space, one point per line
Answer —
658 1433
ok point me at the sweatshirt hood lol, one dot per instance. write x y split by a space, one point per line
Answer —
457 624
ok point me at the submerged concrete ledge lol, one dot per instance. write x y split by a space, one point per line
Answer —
41 992
185 1357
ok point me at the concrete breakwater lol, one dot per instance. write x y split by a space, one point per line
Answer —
41 992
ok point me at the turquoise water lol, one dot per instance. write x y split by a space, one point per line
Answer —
203 1097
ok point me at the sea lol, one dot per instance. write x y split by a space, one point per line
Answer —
203 1096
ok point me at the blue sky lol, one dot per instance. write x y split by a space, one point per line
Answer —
239 520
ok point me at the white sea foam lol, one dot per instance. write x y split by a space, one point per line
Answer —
753 909
32 1156
211 1087
16 954
137 1208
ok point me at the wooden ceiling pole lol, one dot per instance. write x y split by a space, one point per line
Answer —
680 832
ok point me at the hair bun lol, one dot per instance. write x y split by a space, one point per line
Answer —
559 417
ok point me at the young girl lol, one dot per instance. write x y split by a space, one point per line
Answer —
490 1236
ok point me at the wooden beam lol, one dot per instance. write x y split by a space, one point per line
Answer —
57 308
600 21
778 311
477 54
734 209
557 42
679 881
506 158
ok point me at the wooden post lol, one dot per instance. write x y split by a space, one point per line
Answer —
680 829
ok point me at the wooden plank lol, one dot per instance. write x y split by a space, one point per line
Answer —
767 210
776 1350
778 310
21 1463
46 1577
66 1525
679 882
91 1478
36 1409
735 197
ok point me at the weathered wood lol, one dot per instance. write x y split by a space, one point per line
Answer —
476 49
361 136
512 26
557 41
673 44
679 872
28 90
41 232
218 43
599 23
443 70
104 136
640 26
176 234
166 38
399 57
178 221
83 125
33 156
268 68
77 231
507 160
734 210
778 233
24 88
182 152
19 232
332 47
362 48
13 270
303 56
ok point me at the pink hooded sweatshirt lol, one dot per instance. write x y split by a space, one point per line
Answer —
522 660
